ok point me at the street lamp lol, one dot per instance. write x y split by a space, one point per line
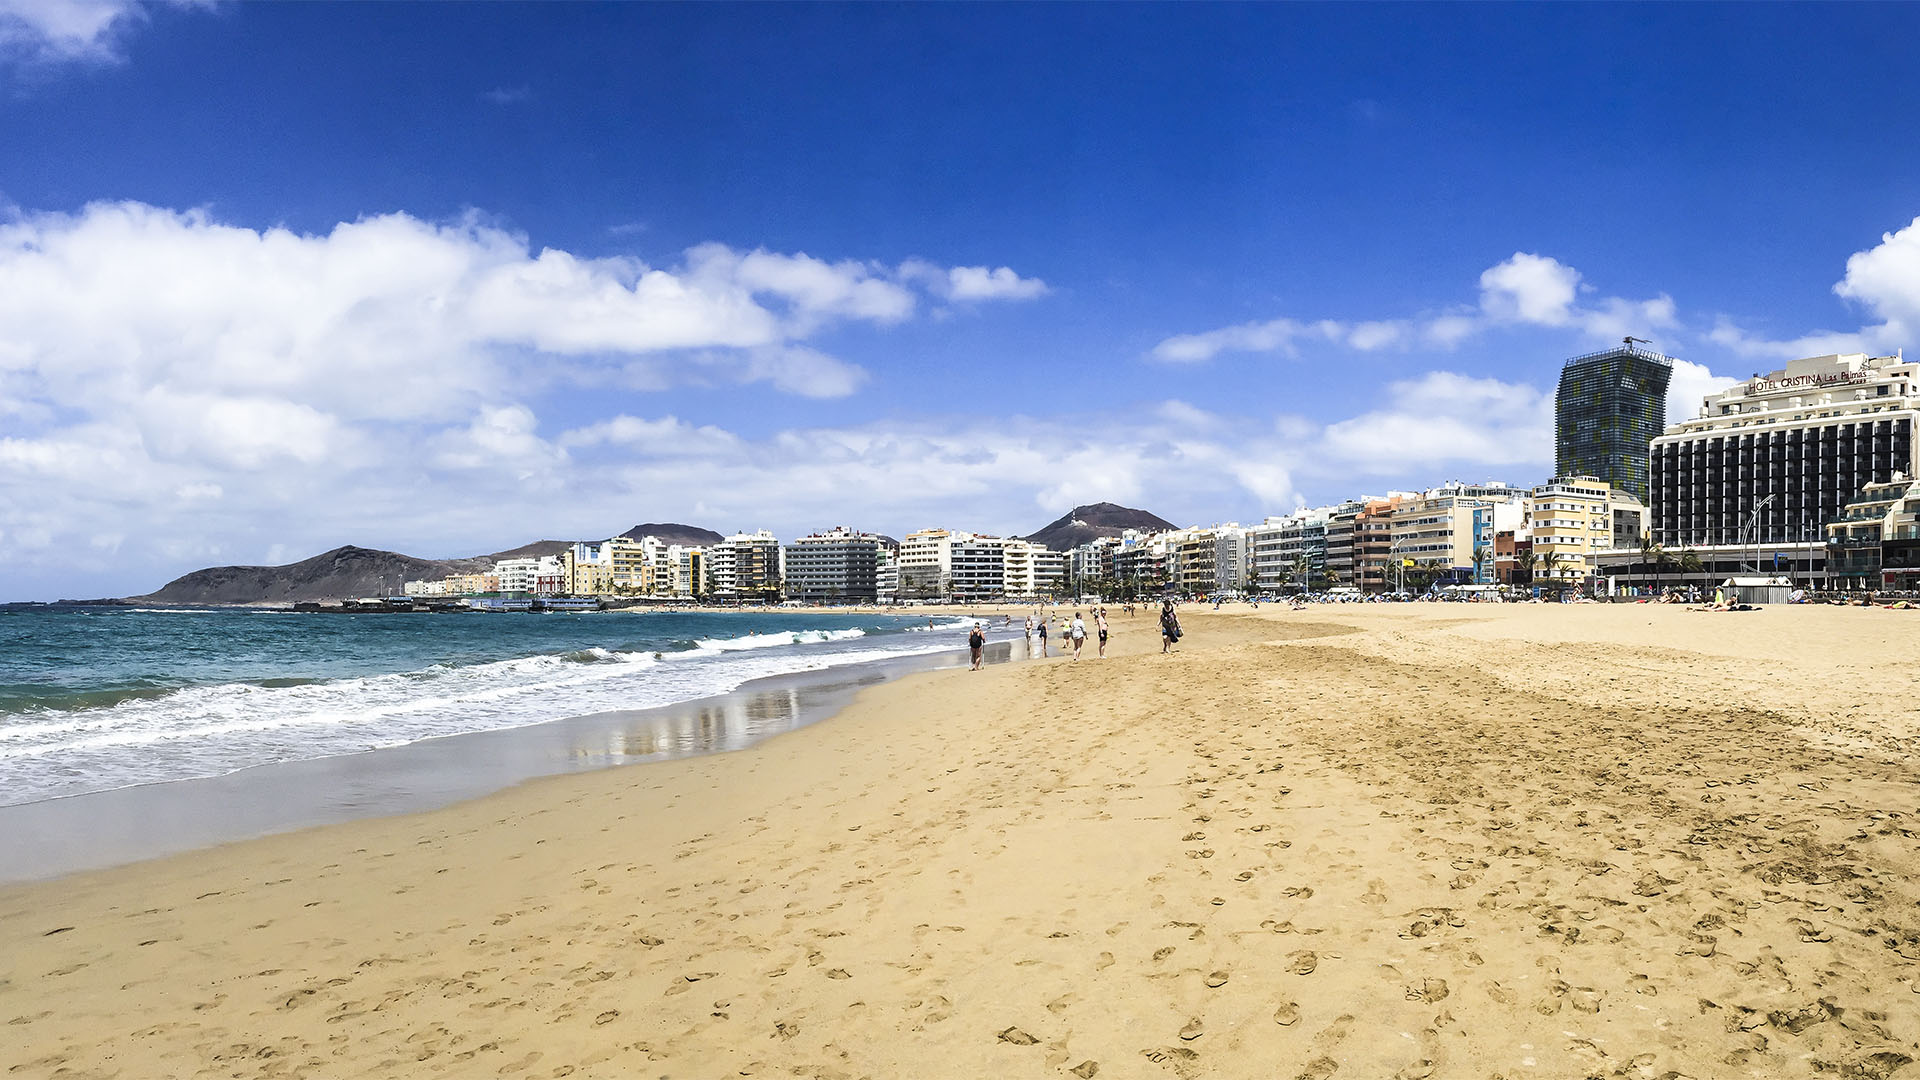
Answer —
1753 522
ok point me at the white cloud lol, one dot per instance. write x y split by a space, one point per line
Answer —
1275 335
669 436
63 29
1691 384
439 490
50 31
231 388
1529 288
392 316
1525 289
504 437
1442 418
1001 283
1884 280
971 284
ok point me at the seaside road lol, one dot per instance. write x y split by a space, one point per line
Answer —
1308 844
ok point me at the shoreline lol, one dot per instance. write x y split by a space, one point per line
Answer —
1516 841
98 830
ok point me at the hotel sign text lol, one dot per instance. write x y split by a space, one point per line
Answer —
1837 378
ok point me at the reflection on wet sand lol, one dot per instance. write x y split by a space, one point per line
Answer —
107 828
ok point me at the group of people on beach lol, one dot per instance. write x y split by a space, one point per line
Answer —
1072 633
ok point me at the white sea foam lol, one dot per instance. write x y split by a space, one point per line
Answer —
209 730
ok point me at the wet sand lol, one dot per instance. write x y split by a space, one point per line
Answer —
1409 841
46 839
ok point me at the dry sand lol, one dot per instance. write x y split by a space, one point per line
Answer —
1449 841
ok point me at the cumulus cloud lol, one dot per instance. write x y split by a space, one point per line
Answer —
1529 288
1000 283
669 436
1444 418
1692 383
1883 281
52 31
218 382
1525 289
440 490
966 284
1275 335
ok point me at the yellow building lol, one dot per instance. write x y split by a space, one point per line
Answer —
1571 519
631 571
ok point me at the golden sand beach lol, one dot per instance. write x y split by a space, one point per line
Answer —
1368 842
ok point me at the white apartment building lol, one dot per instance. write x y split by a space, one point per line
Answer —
1448 531
926 564
543 576
745 566
942 563
1290 551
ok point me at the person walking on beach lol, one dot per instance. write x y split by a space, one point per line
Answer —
1169 626
1077 633
977 643
1043 635
1100 624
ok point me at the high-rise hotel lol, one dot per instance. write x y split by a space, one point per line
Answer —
1608 407
1770 462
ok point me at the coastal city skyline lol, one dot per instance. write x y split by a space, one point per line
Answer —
1230 293
607 539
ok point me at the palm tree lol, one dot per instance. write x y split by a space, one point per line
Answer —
1553 562
1482 559
1662 560
1690 564
1523 563
1647 548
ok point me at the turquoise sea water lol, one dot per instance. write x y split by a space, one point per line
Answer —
98 698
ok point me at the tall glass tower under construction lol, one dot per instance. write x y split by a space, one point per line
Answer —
1609 407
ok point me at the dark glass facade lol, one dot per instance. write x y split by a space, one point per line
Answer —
1608 407
1706 487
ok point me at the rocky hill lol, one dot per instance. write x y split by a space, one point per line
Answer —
689 535
1091 522
332 575
356 571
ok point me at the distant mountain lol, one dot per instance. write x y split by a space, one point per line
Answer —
687 535
529 551
356 571
1084 523
332 575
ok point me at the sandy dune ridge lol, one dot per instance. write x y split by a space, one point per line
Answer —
1347 842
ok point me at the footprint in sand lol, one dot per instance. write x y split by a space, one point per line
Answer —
1288 1014
1217 979
1086 1070
1017 1037
1320 1068
1303 962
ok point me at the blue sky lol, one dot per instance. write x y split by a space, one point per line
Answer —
445 278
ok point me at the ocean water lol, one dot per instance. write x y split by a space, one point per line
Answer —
99 698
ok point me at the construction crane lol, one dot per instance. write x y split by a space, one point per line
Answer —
1630 339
